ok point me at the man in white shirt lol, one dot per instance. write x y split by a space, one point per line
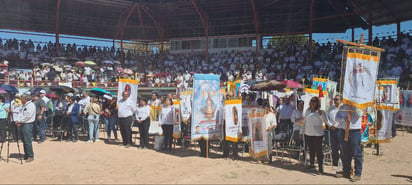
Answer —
336 130
352 147
125 112
26 123
285 113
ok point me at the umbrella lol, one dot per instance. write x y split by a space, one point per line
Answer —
51 95
268 86
128 71
292 84
89 62
116 62
3 65
107 62
99 91
9 88
79 63
2 91
38 89
61 89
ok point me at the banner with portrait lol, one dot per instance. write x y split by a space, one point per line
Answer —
360 78
319 82
404 115
309 93
331 93
129 86
258 134
205 110
385 91
186 105
381 131
233 117
177 130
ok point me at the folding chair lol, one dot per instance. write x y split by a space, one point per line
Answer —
295 146
61 127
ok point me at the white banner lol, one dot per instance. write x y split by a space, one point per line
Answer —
233 115
186 105
176 118
258 134
381 132
360 78
130 86
404 115
386 91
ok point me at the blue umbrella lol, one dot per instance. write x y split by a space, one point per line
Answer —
99 91
38 89
9 88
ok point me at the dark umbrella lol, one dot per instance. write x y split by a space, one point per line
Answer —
38 89
62 89
9 88
99 91
268 86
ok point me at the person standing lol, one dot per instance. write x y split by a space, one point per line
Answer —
4 110
313 130
16 109
40 124
125 113
72 112
285 114
142 117
94 117
166 121
297 119
335 131
271 123
110 117
26 122
352 147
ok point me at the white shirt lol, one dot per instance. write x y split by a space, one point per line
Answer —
166 116
331 117
143 112
28 113
356 119
296 115
270 119
313 123
285 111
126 108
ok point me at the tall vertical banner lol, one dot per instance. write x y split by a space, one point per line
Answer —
386 90
311 93
177 130
205 107
331 93
258 134
233 117
360 78
185 105
381 132
130 86
404 115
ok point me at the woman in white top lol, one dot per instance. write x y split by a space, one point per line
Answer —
271 123
166 121
297 120
313 130
143 118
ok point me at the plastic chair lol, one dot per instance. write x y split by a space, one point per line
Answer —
326 148
296 146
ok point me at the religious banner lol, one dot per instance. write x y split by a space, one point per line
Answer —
331 93
311 93
319 82
258 134
381 132
129 86
67 84
404 115
233 115
186 105
205 107
386 90
234 87
177 130
360 78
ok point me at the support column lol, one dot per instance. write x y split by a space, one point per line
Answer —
256 21
353 35
370 39
121 46
310 31
398 29
57 27
204 18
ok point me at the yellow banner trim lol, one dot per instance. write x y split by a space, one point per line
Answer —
315 91
128 80
231 102
386 82
363 57
156 107
320 79
260 154
233 139
357 105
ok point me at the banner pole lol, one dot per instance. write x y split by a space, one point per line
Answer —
348 125
207 148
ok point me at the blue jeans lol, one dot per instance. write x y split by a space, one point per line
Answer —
26 134
336 145
40 127
93 126
352 147
111 125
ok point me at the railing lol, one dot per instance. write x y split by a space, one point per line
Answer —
75 84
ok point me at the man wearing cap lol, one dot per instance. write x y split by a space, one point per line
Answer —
26 121
48 106
40 124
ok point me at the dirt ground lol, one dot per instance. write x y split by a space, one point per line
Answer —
101 163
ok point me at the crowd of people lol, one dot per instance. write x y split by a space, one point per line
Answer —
291 62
